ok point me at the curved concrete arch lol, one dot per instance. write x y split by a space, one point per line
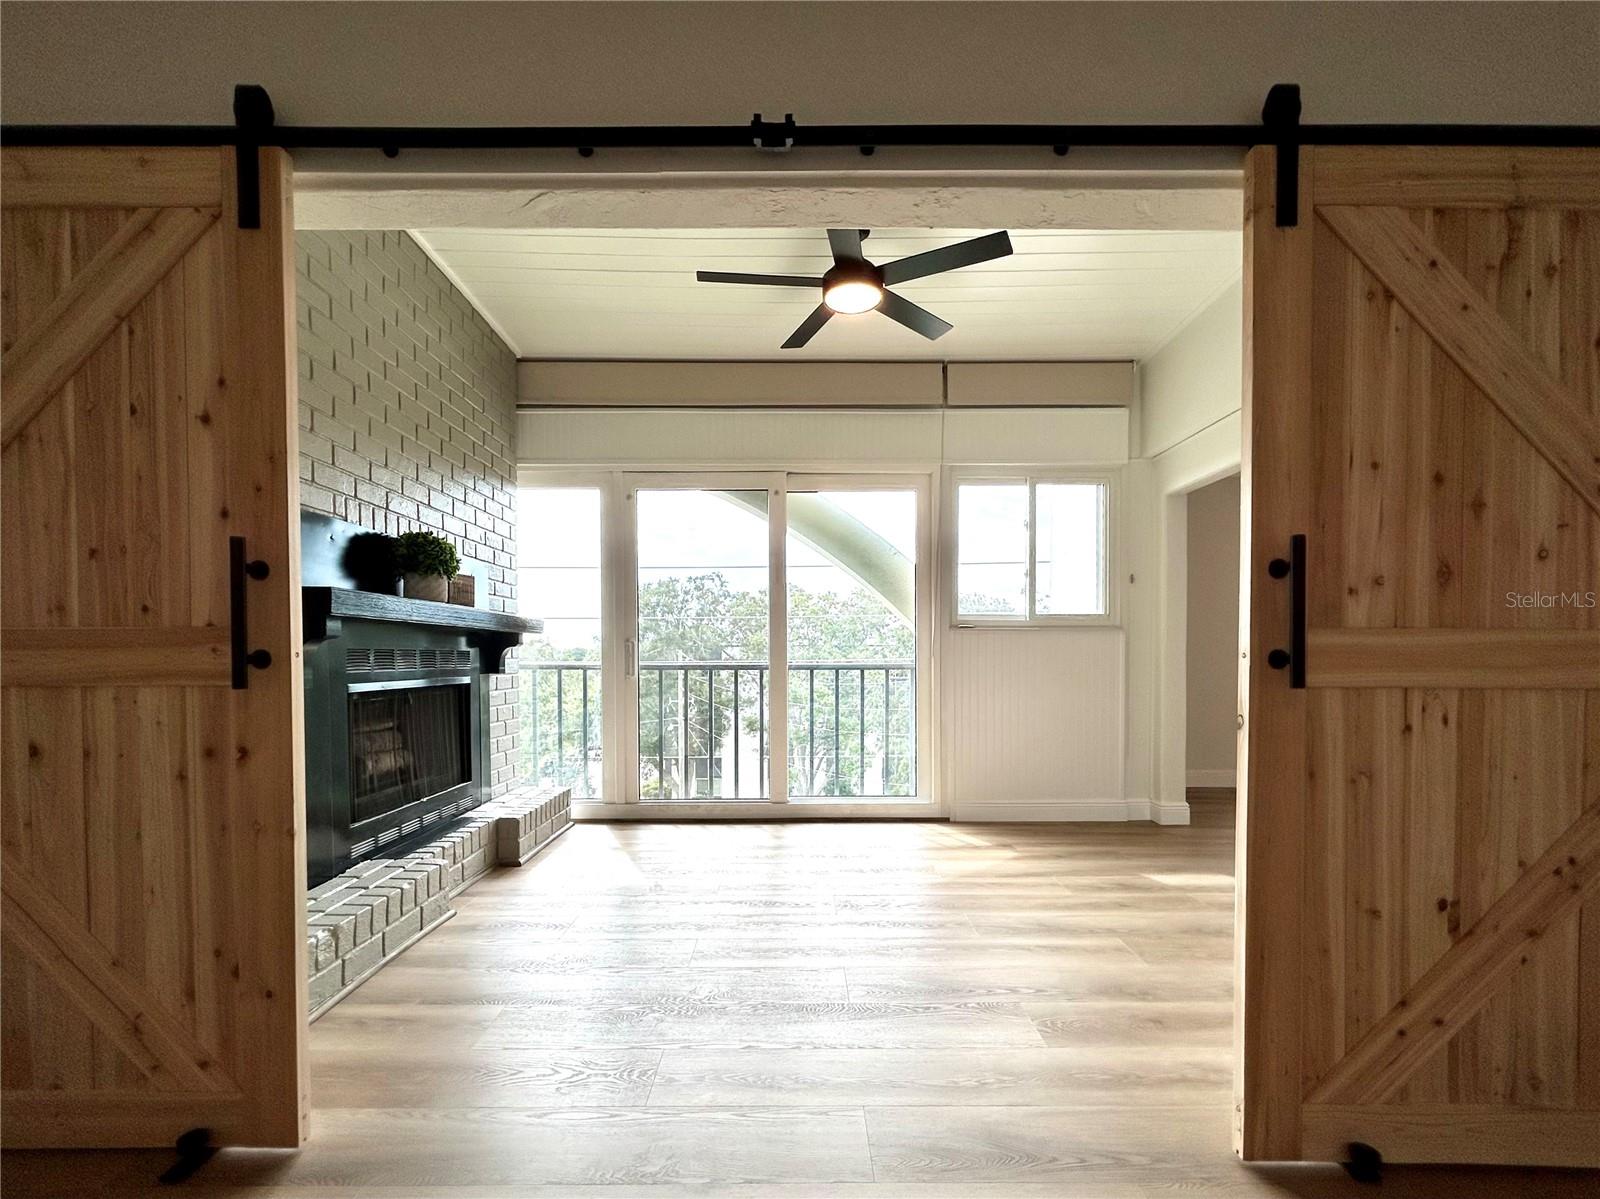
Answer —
847 543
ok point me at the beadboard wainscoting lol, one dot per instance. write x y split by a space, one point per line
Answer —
1033 725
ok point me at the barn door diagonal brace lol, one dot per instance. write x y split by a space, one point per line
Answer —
254 118
1281 117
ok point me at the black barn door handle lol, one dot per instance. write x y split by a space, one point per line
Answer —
1295 568
239 613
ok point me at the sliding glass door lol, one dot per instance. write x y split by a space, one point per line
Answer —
560 537
716 642
851 573
701 655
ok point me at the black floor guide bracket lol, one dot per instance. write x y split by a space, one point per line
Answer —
194 1150
1364 1164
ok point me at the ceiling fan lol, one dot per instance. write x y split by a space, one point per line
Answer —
854 285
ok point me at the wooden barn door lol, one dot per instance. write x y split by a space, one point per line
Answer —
1420 938
151 824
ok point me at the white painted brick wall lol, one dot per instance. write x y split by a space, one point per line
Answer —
407 409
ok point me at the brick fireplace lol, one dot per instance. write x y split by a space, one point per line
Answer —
399 814
396 703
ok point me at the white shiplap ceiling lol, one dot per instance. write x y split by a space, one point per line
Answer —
631 293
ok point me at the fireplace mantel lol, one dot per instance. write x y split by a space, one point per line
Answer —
495 634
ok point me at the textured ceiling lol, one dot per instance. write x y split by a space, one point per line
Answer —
631 293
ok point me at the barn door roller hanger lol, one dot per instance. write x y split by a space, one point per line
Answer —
255 126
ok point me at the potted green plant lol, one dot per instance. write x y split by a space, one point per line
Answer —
427 563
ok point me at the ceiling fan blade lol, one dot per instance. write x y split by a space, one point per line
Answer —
913 317
948 258
808 327
763 280
845 244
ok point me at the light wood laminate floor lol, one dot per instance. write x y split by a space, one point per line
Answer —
870 1009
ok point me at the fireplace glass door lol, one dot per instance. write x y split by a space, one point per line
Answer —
407 743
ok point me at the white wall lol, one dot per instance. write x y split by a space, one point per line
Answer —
1196 378
819 438
1213 634
1106 736
584 63
621 383
1031 721
1187 427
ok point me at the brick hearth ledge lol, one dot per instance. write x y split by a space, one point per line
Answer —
364 917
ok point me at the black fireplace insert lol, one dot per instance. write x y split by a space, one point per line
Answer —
395 720
408 741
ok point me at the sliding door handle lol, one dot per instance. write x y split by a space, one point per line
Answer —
631 657
240 571
1293 568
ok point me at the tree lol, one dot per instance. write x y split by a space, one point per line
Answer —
851 694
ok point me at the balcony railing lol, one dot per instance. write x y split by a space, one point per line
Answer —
703 730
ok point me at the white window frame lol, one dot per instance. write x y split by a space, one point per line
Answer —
921 483
619 626
1031 478
612 656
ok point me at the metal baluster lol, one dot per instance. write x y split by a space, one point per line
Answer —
761 730
683 741
711 734
811 731
913 766
886 738
561 727
837 774
736 732
538 753
861 732
661 738
583 672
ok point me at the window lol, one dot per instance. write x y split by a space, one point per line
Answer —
1032 550
719 638
559 581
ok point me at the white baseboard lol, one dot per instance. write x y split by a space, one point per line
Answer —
1213 778
674 810
1170 813
1048 811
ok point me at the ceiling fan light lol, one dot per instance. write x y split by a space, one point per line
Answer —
852 295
